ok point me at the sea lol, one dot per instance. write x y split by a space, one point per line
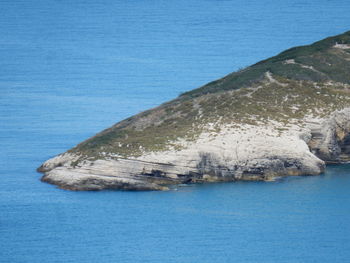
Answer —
70 68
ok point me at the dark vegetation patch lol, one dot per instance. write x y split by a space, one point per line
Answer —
275 64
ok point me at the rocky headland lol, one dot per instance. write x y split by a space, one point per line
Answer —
286 115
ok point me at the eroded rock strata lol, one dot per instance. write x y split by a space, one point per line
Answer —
287 115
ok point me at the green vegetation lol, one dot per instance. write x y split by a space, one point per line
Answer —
309 80
306 54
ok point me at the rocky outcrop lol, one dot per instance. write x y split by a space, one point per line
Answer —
331 138
287 115
248 153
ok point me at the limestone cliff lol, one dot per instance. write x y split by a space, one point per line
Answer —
287 115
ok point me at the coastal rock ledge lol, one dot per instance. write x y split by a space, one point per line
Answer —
287 115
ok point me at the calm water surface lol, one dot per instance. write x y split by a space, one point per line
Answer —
71 68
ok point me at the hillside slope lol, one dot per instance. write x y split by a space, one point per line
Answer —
286 115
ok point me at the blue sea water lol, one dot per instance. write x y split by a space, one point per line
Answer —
71 68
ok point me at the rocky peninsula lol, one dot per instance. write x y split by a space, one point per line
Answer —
286 115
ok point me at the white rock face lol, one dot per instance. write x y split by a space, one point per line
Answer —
246 153
341 46
331 138
59 160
